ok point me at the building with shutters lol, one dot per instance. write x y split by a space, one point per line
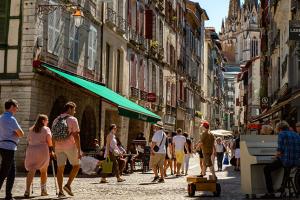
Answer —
48 34
136 48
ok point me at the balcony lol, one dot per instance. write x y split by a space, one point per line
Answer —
134 93
111 17
143 42
144 95
133 37
160 53
121 25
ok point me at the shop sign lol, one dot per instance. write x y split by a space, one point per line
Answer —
294 30
151 97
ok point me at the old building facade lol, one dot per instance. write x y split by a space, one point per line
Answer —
151 52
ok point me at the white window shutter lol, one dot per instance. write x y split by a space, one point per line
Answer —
71 39
57 28
92 48
50 32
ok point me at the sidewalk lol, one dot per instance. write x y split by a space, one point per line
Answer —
136 187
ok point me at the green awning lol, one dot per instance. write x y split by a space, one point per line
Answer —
125 106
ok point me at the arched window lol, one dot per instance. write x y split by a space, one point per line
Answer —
254 47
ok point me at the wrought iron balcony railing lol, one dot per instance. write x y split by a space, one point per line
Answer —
134 93
121 25
133 36
111 17
143 95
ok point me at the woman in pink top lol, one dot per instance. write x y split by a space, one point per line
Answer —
37 153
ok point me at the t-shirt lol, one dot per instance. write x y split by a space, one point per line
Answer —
208 141
189 144
73 127
8 126
179 142
219 148
160 138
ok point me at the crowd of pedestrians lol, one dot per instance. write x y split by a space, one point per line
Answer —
62 142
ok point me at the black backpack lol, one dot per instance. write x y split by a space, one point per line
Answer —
60 130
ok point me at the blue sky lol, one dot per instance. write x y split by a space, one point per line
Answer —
216 11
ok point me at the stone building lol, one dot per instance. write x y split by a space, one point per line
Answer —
241 38
280 65
118 50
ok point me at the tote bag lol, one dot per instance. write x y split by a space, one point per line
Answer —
107 166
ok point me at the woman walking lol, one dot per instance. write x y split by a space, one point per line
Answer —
112 151
220 149
37 153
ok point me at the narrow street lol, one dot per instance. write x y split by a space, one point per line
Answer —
137 186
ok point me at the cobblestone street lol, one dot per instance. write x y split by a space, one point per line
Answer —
137 186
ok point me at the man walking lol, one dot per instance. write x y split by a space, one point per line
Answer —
10 132
158 152
179 143
66 140
208 148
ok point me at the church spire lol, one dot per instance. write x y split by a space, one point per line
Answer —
234 7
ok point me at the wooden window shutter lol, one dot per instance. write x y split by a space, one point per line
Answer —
149 24
137 17
129 12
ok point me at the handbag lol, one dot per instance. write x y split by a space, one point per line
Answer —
156 148
226 159
107 166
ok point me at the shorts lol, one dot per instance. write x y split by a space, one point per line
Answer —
237 153
63 154
157 160
207 159
179 156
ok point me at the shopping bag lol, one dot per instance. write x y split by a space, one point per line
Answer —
226 160
107 166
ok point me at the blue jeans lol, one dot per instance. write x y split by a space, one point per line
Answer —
7 170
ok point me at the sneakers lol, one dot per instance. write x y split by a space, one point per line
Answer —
161 180
61 195
68 190
155 179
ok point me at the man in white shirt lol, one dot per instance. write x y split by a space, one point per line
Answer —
179 142
158 152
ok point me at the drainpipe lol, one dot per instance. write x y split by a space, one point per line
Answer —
101 79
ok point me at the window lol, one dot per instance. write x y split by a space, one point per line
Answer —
73 42
9 39
161 82
3 21
254 47
161 32
107 62
119 63
141 77
154 78
54 29
92 48
132 71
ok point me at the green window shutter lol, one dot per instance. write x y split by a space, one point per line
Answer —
3 21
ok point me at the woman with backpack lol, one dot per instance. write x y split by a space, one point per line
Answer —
37 153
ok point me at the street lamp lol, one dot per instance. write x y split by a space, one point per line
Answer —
78 17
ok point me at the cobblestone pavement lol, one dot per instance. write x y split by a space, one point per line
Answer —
136 186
